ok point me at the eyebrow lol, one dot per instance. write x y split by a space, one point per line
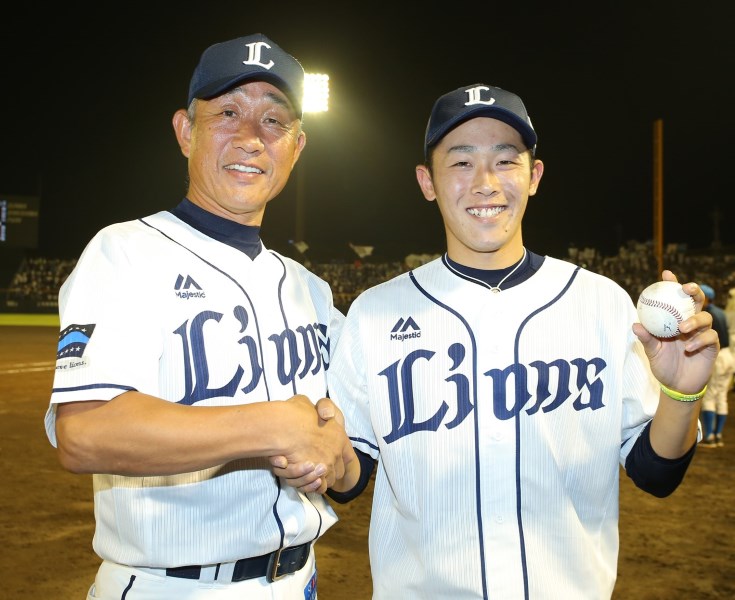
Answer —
495 148
279 100
272 96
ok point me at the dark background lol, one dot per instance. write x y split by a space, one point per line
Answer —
87 100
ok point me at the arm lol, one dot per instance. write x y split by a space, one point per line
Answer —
651 473
137 434
683 363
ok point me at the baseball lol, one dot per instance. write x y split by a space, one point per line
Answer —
662 306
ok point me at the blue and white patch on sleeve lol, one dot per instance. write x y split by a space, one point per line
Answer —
73 341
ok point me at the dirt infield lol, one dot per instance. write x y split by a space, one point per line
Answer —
681 547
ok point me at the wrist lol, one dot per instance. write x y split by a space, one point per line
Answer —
680 397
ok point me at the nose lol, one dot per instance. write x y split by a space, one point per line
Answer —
485 181
248 138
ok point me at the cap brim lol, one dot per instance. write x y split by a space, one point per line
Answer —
222 85
495 112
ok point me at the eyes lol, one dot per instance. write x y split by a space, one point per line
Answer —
500 163
272 118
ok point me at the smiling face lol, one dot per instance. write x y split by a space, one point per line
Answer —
241 146
481 177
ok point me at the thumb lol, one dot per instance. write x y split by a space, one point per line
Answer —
326 409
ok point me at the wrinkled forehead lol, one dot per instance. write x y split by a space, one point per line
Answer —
256 93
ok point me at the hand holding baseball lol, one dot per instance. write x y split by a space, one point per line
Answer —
681 347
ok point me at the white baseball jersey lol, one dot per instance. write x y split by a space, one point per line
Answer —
499 421
156 306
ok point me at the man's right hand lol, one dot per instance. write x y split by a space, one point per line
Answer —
316 469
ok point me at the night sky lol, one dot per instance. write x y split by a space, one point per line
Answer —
87 102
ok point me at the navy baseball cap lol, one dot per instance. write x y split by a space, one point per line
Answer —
478 100
253 57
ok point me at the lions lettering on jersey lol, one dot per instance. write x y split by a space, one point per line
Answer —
298 352
566 377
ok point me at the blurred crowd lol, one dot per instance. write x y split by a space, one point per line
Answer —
35 285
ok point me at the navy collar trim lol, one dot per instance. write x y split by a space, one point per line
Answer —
245 238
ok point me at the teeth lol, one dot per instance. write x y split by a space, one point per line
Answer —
486 212
243 169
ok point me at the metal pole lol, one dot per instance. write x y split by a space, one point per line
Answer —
658 193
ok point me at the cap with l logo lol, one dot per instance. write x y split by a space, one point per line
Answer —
253 57
478 100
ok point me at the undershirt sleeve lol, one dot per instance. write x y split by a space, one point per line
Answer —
367 465
650 472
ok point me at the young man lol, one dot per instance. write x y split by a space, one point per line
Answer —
500 390
189 353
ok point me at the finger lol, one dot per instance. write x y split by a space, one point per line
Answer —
643 334
329 478
315 486
700 321
279 461
292 471
703 339
667 275
310 480
305 484
695 292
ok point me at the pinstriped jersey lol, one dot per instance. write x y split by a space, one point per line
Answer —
156 306
500 421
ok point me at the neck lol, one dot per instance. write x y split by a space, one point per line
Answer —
494 260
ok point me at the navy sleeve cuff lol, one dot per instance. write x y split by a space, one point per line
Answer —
653 474
367 465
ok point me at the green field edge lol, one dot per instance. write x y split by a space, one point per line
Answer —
29 319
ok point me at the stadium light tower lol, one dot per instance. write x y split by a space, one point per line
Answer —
316 100
316 92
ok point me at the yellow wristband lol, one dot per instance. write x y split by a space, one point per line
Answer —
682 397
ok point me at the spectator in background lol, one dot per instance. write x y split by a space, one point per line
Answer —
730 312
714 402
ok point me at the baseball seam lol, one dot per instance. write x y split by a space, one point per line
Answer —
667 307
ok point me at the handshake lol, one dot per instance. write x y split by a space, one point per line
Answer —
317 452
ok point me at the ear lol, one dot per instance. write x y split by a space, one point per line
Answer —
426 184
182 129
537 171
300 143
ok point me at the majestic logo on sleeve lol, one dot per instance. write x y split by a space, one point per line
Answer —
513 389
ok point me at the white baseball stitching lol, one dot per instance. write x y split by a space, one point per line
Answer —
667 307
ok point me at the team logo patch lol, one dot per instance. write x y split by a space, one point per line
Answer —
405 329
73 341
186 287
